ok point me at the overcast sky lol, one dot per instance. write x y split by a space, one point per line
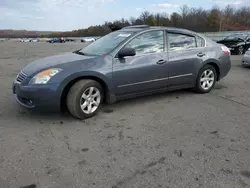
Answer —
65 15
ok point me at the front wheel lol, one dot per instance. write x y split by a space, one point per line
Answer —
84 98
241 50
206 79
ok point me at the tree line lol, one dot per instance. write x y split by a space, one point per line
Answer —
196 19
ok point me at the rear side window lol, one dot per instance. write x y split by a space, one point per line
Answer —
200 41
178 41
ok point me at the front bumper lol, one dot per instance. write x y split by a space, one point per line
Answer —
41 97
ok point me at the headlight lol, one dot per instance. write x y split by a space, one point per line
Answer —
44 76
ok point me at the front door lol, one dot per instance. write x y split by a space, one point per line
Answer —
145 71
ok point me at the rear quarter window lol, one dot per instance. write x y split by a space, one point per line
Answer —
200 42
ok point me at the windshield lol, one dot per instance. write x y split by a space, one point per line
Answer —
236 36
106 44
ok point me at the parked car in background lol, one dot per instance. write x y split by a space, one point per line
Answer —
246 59
34 40
88 40
24 40
57 40
70 40
131 62
237 43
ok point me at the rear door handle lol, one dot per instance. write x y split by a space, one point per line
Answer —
201 54
160 62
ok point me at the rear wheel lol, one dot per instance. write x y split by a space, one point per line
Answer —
84 98
206 79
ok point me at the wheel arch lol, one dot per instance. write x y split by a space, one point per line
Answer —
215 65
73 79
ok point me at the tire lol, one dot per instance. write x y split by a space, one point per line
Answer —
75 99
240 50
200 87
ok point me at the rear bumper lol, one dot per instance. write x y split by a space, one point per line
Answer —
225 66
42 98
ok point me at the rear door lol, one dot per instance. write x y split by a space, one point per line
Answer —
147 70
186 53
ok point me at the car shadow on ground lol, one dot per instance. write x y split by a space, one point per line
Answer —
106 108
109 108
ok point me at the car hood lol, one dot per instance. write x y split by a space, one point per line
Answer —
56 61
229 42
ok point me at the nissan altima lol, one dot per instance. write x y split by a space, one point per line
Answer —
130 62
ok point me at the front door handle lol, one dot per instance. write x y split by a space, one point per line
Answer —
160 62
201 54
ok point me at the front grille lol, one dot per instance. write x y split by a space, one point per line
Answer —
21 77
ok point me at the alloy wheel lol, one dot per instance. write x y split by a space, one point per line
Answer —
90 100
207 79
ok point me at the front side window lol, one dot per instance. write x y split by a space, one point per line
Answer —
178 41
149 42
107 43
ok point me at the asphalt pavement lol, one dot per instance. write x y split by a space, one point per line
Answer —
174 140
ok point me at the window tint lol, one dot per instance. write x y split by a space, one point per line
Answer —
200 42
180 42
149 42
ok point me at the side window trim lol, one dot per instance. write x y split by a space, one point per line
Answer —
196 41
129 40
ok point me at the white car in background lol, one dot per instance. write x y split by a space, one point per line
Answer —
246 59
34 40
24 40
88 40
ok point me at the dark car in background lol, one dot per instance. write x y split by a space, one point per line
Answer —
237 43
57 40
70 40
131 62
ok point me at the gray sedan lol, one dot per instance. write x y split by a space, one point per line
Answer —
246 59
133 61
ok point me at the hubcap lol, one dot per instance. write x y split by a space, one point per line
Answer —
207 79
90 100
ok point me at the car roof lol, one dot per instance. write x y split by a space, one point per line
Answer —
139 28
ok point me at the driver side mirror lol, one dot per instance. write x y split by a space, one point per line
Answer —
126 52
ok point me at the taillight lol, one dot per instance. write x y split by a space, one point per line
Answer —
225 50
